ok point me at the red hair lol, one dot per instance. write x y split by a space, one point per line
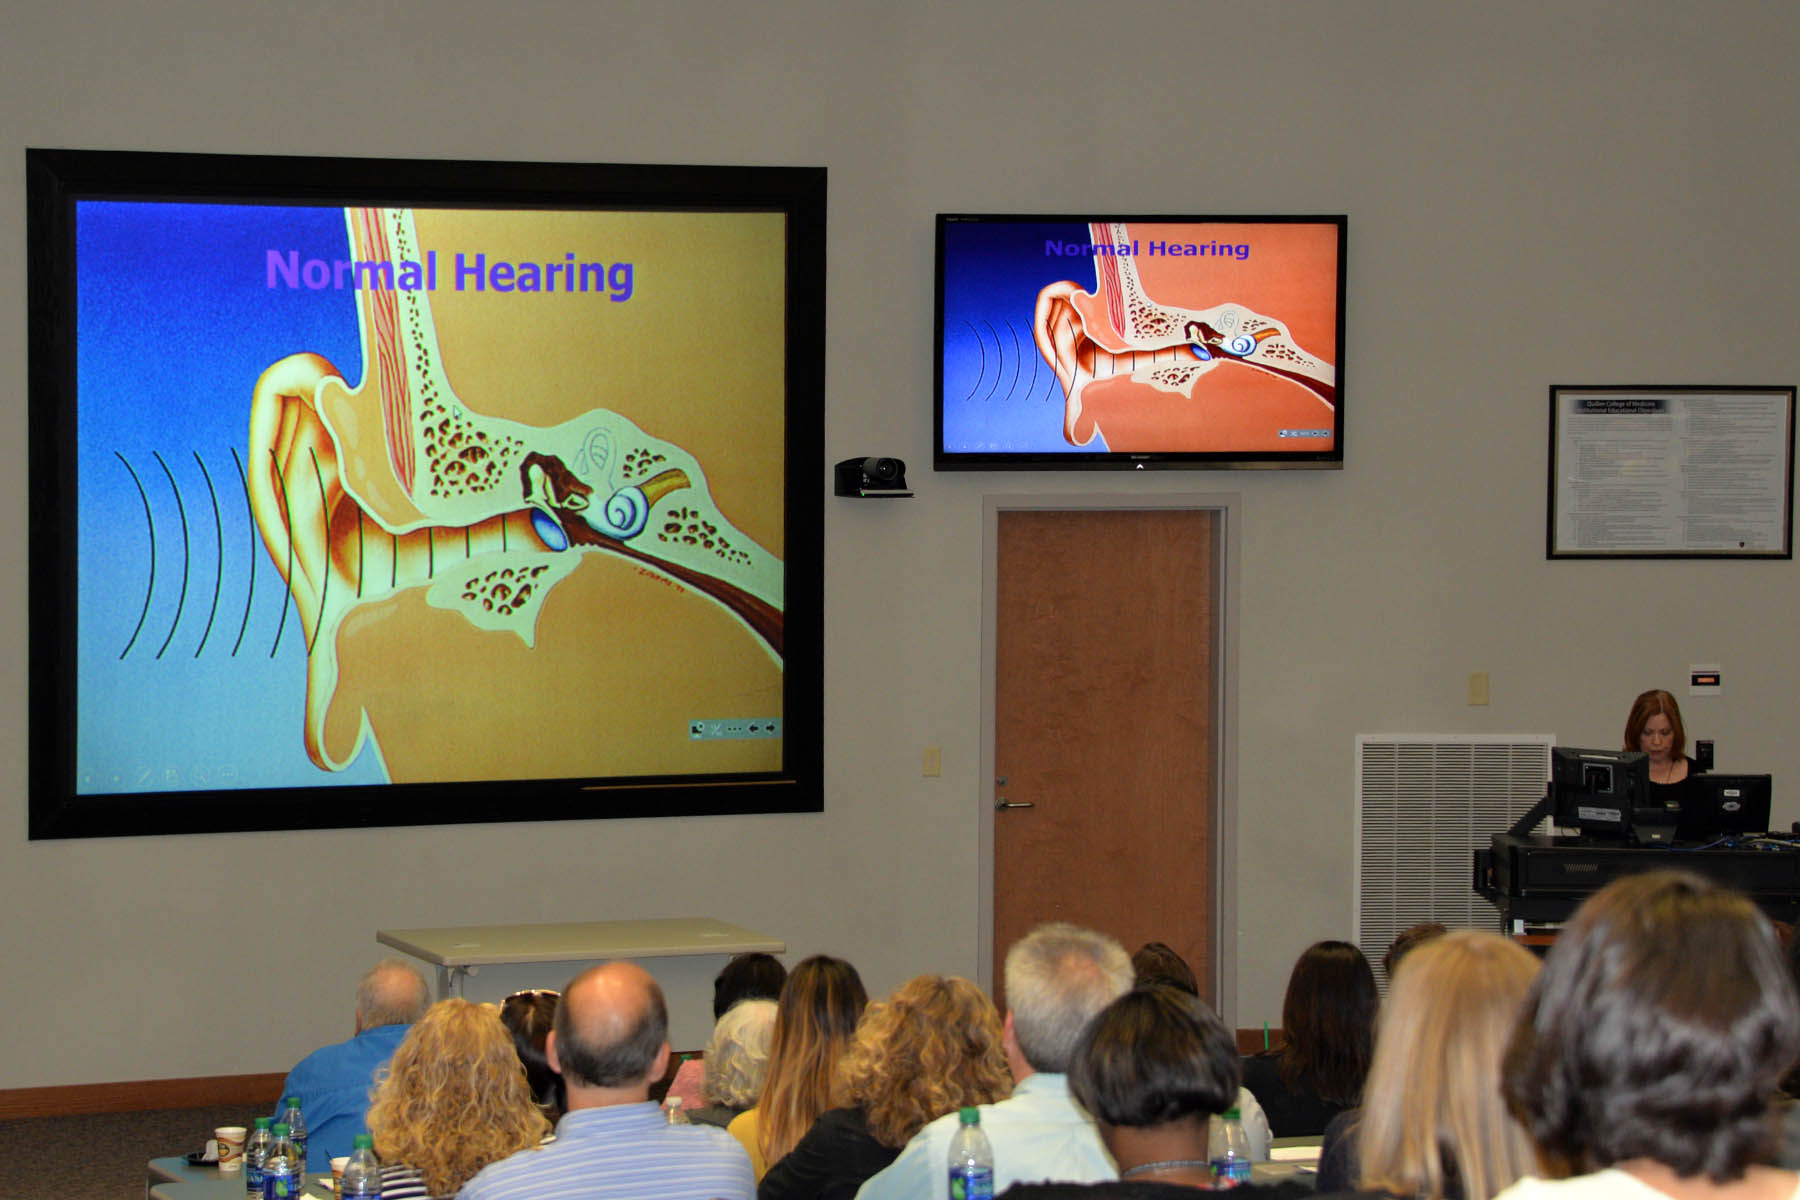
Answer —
1648 705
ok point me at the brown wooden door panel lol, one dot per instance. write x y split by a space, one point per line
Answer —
1105 637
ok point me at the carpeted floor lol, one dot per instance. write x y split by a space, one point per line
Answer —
102 1157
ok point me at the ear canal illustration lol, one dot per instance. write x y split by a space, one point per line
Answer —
1118 334
362 493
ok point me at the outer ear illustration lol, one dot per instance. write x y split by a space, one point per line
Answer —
1120 344
361 493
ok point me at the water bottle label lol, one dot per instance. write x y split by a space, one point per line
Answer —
278 1184
971 1183
253 1178
1230 1171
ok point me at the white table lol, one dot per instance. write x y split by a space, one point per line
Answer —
687 953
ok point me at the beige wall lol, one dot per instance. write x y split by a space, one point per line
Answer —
1538 193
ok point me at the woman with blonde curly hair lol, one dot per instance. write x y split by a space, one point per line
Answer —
931 1048
452 1100
820 1004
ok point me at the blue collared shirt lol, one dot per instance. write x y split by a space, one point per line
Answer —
333 1084
621 1152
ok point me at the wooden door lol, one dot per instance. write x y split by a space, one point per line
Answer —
1105 650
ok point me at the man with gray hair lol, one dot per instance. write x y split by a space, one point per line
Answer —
333 1082
1058 978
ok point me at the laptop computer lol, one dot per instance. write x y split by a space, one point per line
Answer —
1725 804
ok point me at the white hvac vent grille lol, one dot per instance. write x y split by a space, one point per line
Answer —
1424 803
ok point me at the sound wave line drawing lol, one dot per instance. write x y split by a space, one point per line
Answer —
218 551
250 518
999 356
150 522
188 588
180 511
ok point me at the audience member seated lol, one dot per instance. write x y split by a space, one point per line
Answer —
748 976
1157 963
929 1049
333 1082
1407 940
451 1101
1328 1023
820 1005
1433 1125
529 1017
1153 1069
737 1062
1058 978
610 1043
1649 1046
1787 1152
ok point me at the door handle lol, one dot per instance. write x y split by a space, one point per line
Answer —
1003 802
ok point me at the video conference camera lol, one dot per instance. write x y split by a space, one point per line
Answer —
872 478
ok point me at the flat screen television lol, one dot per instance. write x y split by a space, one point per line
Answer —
1600 792
1132 343
388 491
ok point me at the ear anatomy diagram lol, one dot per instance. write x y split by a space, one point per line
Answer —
456 551
1211 337
1144 337
1118 338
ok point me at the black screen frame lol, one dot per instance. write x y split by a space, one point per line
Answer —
58 178
1627 788
962 460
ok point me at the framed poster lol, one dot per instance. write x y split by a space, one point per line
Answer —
1671 472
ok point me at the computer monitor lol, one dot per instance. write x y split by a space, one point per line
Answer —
1719 805
1599 791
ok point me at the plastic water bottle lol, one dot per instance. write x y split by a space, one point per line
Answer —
296 1129
971 1159
283 1170
1230 1151
255 1150
362 1174
673 1111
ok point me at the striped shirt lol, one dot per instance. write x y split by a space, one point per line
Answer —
621 1152
402 1183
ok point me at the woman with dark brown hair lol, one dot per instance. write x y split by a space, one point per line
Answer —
1328 1023
529 1016
931 1048
1650 1045
820 1005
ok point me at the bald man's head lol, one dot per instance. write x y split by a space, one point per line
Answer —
391 993
611 1026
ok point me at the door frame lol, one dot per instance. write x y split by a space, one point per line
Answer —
1228 507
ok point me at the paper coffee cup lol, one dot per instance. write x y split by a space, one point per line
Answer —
231 1147
337 1172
